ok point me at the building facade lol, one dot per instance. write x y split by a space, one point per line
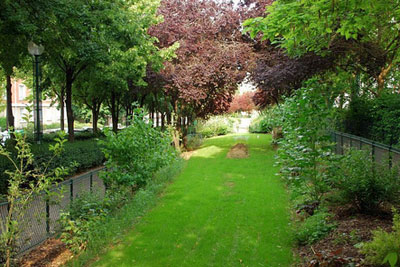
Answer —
20 101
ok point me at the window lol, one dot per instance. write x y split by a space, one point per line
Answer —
21 92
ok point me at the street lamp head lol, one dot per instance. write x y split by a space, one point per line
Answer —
34 49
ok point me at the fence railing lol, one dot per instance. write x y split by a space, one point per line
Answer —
381 153
40 219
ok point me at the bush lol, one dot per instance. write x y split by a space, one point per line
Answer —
95 234
81 155
375 118
85 213
364 183
314 228
263 123
305 151
193 141
136 153
382 244
217 125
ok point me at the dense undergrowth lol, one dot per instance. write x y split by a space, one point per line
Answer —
320 180
105 227
140 161
80 155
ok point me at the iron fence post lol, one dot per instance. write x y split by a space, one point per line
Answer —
47 215
91 182
71 190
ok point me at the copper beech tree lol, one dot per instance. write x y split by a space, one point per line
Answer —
211 60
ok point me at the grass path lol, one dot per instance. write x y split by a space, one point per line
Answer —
218 212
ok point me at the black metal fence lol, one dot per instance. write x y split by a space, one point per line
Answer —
381 153
40 220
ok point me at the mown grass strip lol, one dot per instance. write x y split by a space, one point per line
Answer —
218 212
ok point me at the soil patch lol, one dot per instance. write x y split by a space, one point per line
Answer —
52 253
341 242
238 151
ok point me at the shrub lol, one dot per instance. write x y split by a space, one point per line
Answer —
85 213
305 149
136 153
80 155
314 228
375 118
263 123
364 183
382 244
217 125
193 141
95 234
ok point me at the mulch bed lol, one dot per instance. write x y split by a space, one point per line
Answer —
238 151
351 230
52 253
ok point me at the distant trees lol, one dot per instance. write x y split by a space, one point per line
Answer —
242 102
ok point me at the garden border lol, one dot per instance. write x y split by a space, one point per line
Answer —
41 216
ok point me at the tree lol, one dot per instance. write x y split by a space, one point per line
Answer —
242 102
359 36
211 60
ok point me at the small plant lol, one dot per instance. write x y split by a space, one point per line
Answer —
193 141
83 215
25 182
364 183
314 228
384 247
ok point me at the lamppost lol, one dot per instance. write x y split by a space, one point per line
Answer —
36 50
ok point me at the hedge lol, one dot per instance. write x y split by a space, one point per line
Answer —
85 153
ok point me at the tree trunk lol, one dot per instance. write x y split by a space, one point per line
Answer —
68 103
169 119
157 119
95 117
62 107
114 111
10 116
163 120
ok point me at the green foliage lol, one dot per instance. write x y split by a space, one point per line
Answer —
111 218
363 183
314 228
358 118
375 118
304 26
193 141
305 151
3 124
136 153
217 125
384 247
263 123
86 213
25 182
79 156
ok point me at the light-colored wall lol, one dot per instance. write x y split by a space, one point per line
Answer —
19 103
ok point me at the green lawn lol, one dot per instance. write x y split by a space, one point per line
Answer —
218 212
